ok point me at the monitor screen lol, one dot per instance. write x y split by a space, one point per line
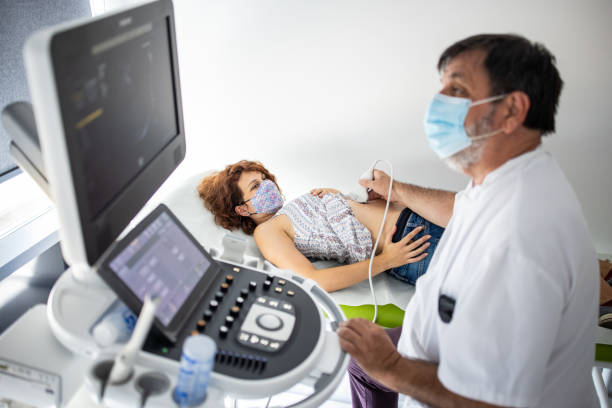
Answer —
118 105
120 130
161 260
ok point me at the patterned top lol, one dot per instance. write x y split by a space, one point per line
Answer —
325 228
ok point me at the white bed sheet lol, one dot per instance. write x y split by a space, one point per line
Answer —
188 207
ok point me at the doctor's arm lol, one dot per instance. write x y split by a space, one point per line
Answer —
278 247
371 347
434 205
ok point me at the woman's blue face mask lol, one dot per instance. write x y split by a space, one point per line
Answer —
445 123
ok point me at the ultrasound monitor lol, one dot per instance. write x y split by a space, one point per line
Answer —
107 101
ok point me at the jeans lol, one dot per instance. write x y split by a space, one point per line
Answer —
406 222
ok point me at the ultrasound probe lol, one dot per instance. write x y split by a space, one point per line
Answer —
124 362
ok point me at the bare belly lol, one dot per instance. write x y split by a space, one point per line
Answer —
371 215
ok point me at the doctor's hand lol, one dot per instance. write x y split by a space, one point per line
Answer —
379 186
369 345
405 250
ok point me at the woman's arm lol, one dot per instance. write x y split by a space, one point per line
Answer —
278 247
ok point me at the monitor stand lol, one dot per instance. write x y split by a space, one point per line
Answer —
75 305
79 297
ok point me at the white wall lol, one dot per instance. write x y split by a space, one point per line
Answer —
318 89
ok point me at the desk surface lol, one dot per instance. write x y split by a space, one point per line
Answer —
30 341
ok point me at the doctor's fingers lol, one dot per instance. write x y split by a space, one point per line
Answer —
358 326
371 346
348 340
380 183
373 195
380 175
349 335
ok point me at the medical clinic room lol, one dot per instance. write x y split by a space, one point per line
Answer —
305 203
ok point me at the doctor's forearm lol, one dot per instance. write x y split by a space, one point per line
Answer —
419 379
434 205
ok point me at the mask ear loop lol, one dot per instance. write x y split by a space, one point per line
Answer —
248 214
246 201
247 208
489 99
484 136
480 102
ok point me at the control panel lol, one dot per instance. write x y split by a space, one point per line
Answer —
268 325
263 324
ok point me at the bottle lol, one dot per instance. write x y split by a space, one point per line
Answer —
197 360
116 325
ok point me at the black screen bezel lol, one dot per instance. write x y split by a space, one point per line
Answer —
99 232
173 329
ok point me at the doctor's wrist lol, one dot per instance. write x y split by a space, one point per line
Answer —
389 370
399 193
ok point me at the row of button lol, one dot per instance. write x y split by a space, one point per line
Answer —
214 305
240 301
254 339
247 361
235 310
276 304
278 289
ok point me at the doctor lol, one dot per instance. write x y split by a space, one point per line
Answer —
506 314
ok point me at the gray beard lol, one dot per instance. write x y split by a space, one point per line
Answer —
464 159
467 157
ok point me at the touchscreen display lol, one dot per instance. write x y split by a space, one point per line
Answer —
161 260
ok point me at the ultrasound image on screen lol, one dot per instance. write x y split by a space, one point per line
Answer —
120 103
161 260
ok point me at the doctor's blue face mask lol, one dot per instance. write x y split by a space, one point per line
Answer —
267 198
445 124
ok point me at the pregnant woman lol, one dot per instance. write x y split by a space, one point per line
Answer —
321 224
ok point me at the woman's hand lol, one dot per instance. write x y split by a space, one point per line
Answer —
320 192
405 250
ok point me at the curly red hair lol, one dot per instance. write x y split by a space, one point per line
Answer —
221 194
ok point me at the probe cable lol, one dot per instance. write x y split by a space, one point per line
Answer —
382 224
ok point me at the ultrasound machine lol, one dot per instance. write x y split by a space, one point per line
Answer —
107 102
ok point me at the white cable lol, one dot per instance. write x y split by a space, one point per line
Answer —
382 224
